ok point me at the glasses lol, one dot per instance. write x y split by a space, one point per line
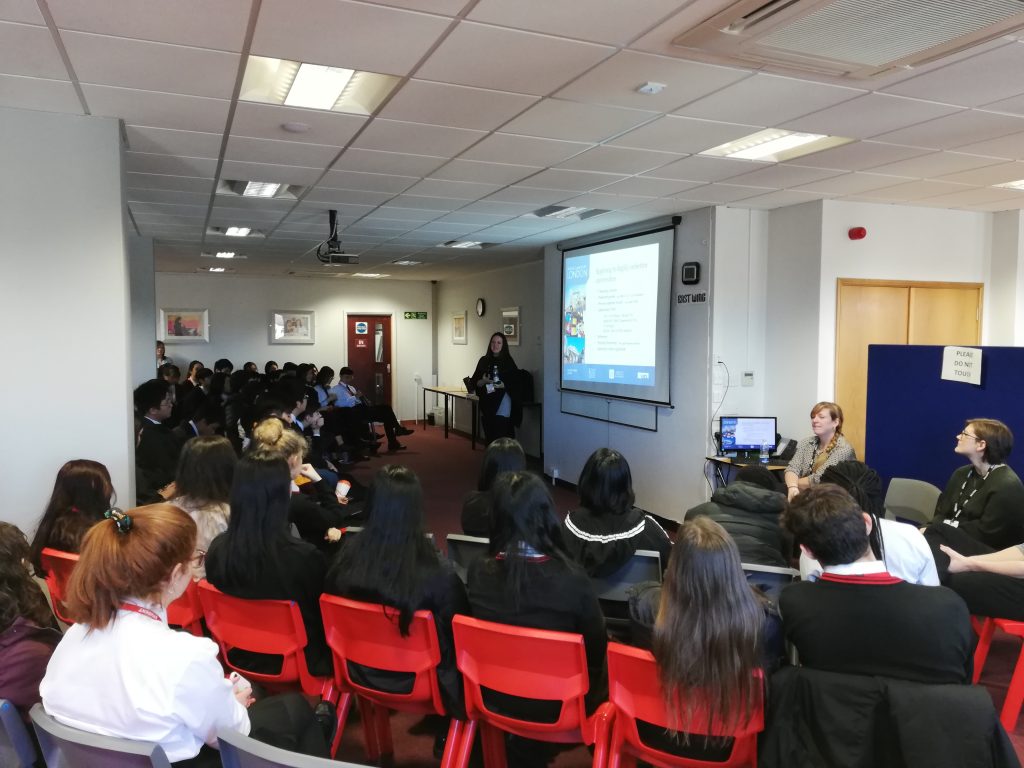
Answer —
198 560
967 434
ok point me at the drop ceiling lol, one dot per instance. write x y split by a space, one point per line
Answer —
502 107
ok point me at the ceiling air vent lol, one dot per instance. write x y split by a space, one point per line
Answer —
850 38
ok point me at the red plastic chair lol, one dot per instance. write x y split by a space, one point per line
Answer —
367 634
634 692
530 663
262 626
58 566
187 612
1015 694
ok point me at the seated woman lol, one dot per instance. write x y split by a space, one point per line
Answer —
258 559
28 631
606 529
528 579
206 469
711 630
990 584
825 448
982 508
121 671
503 455
901 547
393 562
81 494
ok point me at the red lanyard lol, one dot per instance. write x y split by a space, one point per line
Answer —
140 609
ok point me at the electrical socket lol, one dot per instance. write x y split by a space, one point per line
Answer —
554 475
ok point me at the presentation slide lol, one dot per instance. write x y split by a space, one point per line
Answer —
615 317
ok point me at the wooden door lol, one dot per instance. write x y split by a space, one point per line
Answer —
945 315
369 355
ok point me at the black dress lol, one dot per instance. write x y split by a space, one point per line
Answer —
496 426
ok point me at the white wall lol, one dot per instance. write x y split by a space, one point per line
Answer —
1004 295
239 314
142 282
667 465
64 293
512 287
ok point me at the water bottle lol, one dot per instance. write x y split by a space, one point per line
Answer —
764 452
495 376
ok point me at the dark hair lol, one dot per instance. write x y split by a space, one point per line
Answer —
302 370
707 637
759 476
997 436
260 498
503 455
270 365
605 484
168 369
160 343
150 394
217 385
19 594
523 513
209 412
324 376
392 552
290 391
81 494
194 366
504 355
251 367
826 520
865 486
223 363
117 564
206 468
345 371
289 366
238 379
204 373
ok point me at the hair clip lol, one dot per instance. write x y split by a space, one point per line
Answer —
122 522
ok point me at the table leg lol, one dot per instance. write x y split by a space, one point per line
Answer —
446 398
473 432
424 408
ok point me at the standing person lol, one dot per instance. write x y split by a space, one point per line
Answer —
497 383
982 508
161 354
816 453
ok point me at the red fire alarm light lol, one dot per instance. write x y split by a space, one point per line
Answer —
857 233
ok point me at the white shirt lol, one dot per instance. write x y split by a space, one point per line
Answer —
907 556
139 679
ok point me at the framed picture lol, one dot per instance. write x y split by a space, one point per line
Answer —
185 326
510 325
459 328
292 326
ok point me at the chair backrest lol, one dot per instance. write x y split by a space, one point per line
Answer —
271 627
187 612
912 499
17 749
644 565
769 576
462 550
367 634
634 689
238 751
66 747
529 663
352 530
58 566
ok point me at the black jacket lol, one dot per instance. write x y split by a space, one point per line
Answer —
602 544
750 514
509 373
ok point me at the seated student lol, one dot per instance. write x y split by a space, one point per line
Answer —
991 584
198 394
350 423
81 494
982 508
28 631
748 509
503 455
257 557
392 562
189 382
857 618
348 396
207 420
206 469
900 546
606 529
269 367
157 450
223 365
121 671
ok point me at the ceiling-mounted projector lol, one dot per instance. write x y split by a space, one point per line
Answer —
329 251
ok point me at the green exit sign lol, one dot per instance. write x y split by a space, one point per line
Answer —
415 315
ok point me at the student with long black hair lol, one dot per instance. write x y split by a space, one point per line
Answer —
503 455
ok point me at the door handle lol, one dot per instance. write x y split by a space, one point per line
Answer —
389 367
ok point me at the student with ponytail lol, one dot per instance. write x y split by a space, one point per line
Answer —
825 448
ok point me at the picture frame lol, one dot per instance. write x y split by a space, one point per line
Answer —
459 328
185 326
292 326
510 325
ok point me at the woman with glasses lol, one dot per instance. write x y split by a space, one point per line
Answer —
982 508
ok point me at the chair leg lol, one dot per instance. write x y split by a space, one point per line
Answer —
987 629
383 719
456 731
465 745
1014 696
369 716
344 706
494 746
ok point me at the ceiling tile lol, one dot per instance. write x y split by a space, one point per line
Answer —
557 119
782 176
416 138
533 196
220 25
443 7
1013 106
993 174
336 197
265 121
618 160
463 190
469 218
458 106
484 173
35 93
161 141
283 174
682 135
166 196
280 152
491 206
852 183
767 100
154 66
647 187
606 202
24 11
402 214
371 182
171 165
542 63
170 183
987 77
29 51
427 203
953 131
506 148
934 164
666 206
721 193
705 168
779 199
972 197
615 81
868 116
346 34
860 155
914 190
158 110
395 163
581 181
1009 147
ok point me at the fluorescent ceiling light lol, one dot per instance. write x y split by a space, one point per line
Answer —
314 86
369 274
1019 184
406 263
237 231
774 145
260 189
317 87
462 244
225 254
215 269
565 212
